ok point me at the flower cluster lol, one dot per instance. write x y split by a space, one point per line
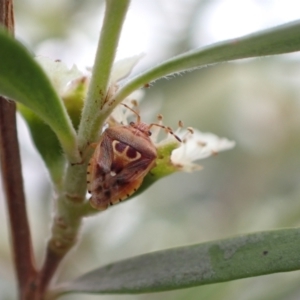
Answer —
172 154
63 79
195 144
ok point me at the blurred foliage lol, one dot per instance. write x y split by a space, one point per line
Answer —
251 188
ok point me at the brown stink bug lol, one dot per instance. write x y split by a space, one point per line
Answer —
122 158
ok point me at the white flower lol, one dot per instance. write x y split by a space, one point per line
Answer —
64 79
122 68
195 146
178 156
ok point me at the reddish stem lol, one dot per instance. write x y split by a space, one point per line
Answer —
13 182
50 266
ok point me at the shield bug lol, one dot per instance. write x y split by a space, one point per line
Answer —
122 158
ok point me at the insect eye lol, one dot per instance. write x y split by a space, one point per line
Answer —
131 123
149 133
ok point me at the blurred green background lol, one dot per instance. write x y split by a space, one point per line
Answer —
255 102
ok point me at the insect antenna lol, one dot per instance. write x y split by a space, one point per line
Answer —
138 116
135 106
167 129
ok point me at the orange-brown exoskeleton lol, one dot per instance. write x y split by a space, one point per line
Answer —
122 158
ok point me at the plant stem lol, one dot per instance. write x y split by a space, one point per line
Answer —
13 182
111 29
69 204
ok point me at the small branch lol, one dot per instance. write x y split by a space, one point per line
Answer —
68 215
66 224
114 17
13 182
7 15
14 192
51 264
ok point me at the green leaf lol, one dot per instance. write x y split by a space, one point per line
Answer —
23 80
234 258
74 101
46 143
277 40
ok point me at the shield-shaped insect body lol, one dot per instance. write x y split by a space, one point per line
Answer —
122 158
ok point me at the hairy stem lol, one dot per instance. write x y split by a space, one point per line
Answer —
110 33
70 199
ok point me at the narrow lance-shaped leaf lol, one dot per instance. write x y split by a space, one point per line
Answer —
23 80
238 257
276 40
